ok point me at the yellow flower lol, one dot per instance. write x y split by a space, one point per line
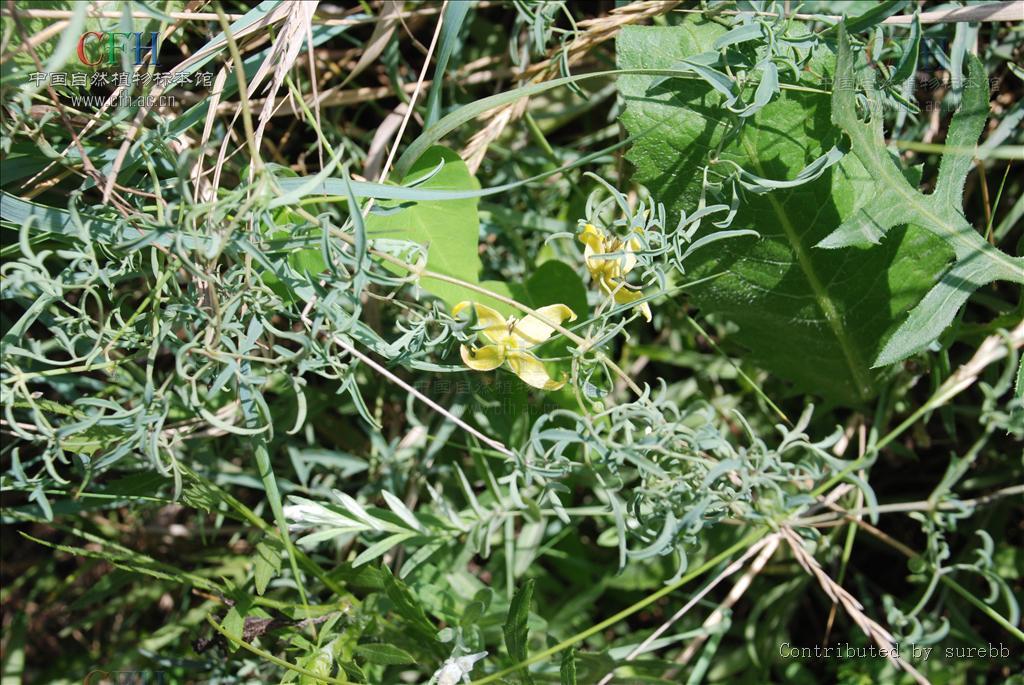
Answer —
609 272
510 340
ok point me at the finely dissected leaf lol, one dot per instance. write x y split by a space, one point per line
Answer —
896 202
815 317
386 655
515 627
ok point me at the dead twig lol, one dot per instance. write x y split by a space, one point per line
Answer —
838 594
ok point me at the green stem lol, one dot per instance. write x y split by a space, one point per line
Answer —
984 608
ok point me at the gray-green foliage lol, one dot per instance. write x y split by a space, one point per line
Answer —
816 317
254 362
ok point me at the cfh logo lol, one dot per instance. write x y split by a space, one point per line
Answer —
94 46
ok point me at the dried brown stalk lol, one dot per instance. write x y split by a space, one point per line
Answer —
838 594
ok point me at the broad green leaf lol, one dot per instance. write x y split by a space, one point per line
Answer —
815 317
385 655
550 283
515 627
449 229
896 202
554 283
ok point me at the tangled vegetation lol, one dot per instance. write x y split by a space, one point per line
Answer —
512 342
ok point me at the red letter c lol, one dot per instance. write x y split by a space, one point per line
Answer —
81 53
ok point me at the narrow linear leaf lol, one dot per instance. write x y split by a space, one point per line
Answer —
378 548
398 506
453 18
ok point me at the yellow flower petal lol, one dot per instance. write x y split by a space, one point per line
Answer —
593 238
489 322
624 296
532 371
533 331
605 267
486 358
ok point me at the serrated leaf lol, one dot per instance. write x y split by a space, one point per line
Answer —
409 608
234 624
266 563
515 629
384 655
92 440
815 317
567 673
896 202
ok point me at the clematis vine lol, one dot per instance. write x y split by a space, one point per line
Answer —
609 272
511 340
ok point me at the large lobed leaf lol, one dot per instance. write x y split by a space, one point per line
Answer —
896 202
816 317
